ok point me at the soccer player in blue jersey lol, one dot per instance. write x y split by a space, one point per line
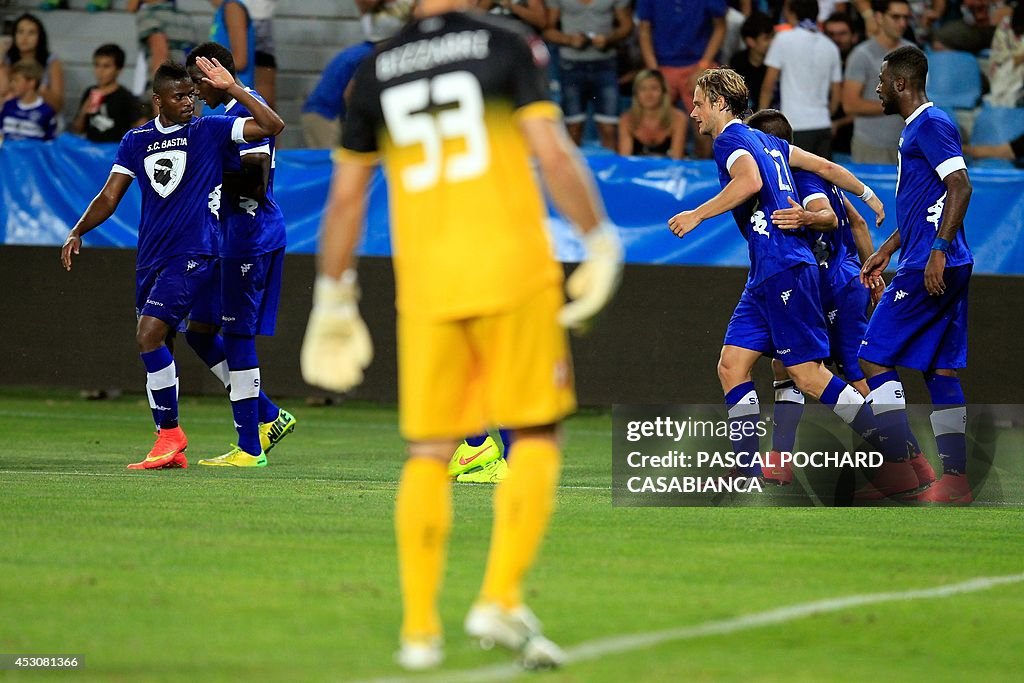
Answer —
841 242
779 312
242 297
177 160
921 321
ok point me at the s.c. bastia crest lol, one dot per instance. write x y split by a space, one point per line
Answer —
165 170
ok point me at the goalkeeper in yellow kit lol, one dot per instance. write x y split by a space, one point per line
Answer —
453 108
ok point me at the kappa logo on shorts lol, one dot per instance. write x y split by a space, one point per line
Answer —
245 269
832 315
785 296
900 294
191 265
165 170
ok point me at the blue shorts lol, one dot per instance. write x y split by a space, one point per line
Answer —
243 297
584 81
846 314
912 329
782 318
168 290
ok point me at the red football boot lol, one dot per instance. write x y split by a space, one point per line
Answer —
891 479
951 489
168 452
923 469
775 471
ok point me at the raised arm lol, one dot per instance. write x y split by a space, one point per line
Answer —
745 183
100 209
264 123
838 176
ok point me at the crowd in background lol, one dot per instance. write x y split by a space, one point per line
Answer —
622 70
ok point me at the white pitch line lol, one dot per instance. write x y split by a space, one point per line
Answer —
386 483
604 647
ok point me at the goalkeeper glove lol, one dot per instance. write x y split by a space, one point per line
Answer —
337 346
594 282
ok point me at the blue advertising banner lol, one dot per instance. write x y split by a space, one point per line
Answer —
44 188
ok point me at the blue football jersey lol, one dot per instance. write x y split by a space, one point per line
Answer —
179 170
929 151
36 121
250 228
835 251
771 250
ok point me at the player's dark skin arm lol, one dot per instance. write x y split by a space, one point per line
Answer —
252 180
958 196
100 209
862 238
818 216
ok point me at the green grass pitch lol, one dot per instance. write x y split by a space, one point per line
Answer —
288 573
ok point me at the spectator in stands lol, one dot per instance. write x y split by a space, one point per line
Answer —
682 41
875 135
533 13
757 32
1012 150
973 32
107 110
587 33
1006 65
164 34
262 13
807 67
30 43
324 110
27 116
924 17
840 28
652 126
233 28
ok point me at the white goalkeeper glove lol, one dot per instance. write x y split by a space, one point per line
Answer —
594 282
337 346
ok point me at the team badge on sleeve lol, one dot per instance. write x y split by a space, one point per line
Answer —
165 170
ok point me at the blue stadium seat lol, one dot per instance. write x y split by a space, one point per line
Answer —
954 79
996 125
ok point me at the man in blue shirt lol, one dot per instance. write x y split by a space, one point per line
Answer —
921 321
178 161
779 313
241 298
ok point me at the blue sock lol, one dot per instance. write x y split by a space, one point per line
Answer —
789 407
268 410
850 406
477 440
744 411
949 421
162 386
889 405
210 349
245 390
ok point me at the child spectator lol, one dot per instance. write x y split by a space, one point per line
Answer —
652 126
30 43
27 116
107 110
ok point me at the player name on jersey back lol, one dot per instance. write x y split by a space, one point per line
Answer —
430 53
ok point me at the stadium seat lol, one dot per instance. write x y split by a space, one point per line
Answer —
996 125
954 79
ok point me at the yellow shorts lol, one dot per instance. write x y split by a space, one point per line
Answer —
511 369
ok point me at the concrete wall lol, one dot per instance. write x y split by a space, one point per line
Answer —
657 343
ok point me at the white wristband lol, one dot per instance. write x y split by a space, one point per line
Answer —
867 194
